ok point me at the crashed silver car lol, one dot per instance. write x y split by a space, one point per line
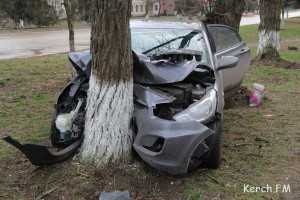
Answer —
182 73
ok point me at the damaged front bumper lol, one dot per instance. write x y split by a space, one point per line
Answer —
168 145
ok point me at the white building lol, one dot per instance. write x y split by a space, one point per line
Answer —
139 8
155 8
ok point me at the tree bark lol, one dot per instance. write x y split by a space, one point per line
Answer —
228 12
269 28
108 136
70 11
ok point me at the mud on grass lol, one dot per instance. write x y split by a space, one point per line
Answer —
261 145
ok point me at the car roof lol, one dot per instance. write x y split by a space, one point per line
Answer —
143 24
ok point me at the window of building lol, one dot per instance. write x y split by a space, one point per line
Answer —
141 8
136 8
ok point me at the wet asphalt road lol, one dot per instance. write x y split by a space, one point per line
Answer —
28 43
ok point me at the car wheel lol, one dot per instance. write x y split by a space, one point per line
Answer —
212 159
197 157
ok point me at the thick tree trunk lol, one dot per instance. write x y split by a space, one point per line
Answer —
269 28
228 12
108 136
70 10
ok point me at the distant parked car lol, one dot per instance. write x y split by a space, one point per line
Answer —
181 72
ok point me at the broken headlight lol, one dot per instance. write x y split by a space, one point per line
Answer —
201 110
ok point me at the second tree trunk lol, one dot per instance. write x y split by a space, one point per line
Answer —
269 28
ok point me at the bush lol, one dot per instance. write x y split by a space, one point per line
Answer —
251 5
36 12
40 13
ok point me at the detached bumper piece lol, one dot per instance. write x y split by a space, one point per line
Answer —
42 155
68 123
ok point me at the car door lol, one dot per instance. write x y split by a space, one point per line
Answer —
228 42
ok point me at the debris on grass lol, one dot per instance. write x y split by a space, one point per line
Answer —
260 139
115 196
239 99
268 115
292 48
46 193
257 95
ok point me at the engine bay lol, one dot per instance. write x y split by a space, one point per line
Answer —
177 56
185 93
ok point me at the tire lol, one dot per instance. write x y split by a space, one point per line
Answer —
197 158
215 142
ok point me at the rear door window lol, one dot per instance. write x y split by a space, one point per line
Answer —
224 37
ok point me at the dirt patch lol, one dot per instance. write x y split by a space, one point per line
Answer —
287 64
238 99
280 63
50 85
71 180
287 44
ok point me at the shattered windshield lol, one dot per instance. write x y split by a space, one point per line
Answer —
157 41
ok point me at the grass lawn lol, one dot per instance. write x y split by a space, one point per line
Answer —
261 145
289 37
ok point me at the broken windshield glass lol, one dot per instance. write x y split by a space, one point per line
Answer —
157 41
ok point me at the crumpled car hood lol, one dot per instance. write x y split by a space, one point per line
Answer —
160 71
145 71
81 62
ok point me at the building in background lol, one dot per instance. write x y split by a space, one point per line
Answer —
155 8
167 7
138 8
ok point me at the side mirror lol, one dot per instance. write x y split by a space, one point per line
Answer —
227 62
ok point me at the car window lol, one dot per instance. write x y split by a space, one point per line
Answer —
146 39
224 37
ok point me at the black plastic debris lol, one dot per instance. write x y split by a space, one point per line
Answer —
43 155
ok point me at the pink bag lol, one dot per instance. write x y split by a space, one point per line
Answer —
257 95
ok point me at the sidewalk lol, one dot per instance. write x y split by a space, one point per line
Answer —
249 20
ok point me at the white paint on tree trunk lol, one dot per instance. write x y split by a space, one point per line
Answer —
268 40
108 136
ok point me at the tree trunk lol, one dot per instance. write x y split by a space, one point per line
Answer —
269 28
108 136
228 12
70 10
